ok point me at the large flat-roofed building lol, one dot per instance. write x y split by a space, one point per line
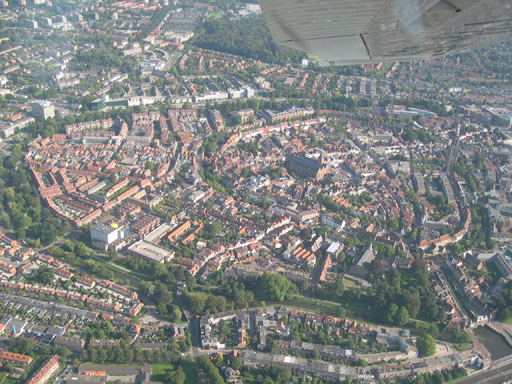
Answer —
104 233
7 130
419 183
306 167
158 233
43 110
151 252
73 344
447 189
503 264
291 113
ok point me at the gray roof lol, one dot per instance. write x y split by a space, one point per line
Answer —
59 331
367 257
305 163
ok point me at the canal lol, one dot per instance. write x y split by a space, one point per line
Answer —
120 275
493 342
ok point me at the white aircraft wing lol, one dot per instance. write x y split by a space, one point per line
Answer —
374 31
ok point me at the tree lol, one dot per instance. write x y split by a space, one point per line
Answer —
341 312
411 195
245 172
433 330
235 363
390 313
215 304
211 373
362 363
212 229
438 378
393 224
160 270
63 352
461 337
147 288
190 281
44 274
112 178
426 345
22 345
150 165
275 286
176 314
305 233
162 295
112 255
175 377
161 308
335 289
224 329
402 316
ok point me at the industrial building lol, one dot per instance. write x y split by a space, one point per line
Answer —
151 252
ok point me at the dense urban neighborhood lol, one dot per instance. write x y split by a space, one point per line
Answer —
183 201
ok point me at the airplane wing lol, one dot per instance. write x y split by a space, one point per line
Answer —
374 31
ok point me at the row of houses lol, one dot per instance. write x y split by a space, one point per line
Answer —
112 307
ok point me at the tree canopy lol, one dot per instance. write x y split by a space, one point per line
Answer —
426 345
275 286
248 37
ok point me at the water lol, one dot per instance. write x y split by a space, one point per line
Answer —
493 342
120 275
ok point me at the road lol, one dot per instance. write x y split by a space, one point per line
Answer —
193 325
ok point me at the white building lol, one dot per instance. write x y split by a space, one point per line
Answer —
43 110
104 233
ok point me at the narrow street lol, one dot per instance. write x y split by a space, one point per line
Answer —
193 325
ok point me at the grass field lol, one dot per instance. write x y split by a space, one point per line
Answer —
310 56
189 368
349 283
159 372
464 347
508 321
